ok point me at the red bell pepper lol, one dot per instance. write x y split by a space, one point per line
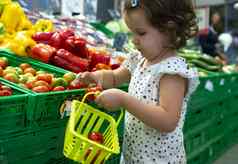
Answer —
61 62
42 52
65 33
77 46
42 37
56 40
83 64
114 66
97 57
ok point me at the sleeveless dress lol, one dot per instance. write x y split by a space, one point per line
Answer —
145 145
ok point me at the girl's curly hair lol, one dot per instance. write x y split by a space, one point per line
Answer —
176 18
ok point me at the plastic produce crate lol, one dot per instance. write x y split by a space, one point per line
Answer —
13 110
101 27
214 88
39 146
44 106
8 53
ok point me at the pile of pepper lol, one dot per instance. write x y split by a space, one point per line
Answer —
65 49
16 29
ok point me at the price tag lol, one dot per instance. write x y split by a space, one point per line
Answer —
65 109
209 86
114 14
222 81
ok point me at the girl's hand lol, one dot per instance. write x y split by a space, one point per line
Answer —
85 78
111 99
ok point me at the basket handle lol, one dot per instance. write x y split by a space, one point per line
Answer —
89 93
96 94
120 117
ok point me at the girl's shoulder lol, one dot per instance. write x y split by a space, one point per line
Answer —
175 65
178 66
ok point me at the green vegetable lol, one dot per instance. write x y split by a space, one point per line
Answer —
206 66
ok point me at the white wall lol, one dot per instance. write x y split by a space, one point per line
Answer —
208 2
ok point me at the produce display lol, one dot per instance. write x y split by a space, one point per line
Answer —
59 48
206 64
36 80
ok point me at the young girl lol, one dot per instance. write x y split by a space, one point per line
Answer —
160 83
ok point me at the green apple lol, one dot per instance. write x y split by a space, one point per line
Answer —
59 82
40 72
23 78
7 71
19 70
69 76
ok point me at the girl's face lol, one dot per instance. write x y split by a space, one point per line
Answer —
147 39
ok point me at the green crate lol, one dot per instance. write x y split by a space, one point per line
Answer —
196 117
199 152
203 96
7 53
197 136
44 106
202 158
218 148
224 85
36 146
13 111
101 27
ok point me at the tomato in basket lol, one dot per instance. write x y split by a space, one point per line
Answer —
93 89
96 136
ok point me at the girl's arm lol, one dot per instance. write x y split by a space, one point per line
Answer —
112 78
165 116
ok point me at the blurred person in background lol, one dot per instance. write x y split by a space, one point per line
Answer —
230 45
208 38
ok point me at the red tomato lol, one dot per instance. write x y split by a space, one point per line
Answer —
5 93
30 70
45 77
76 86
29 84
1 71
101 66
114 66
11 77
58 88
41 83
40 89
96 136
6 88
24 66
3 62
93 89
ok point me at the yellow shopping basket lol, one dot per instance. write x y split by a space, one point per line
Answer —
83 120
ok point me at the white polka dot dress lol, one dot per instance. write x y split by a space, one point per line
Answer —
145 145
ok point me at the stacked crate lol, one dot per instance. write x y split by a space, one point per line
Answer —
211 123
